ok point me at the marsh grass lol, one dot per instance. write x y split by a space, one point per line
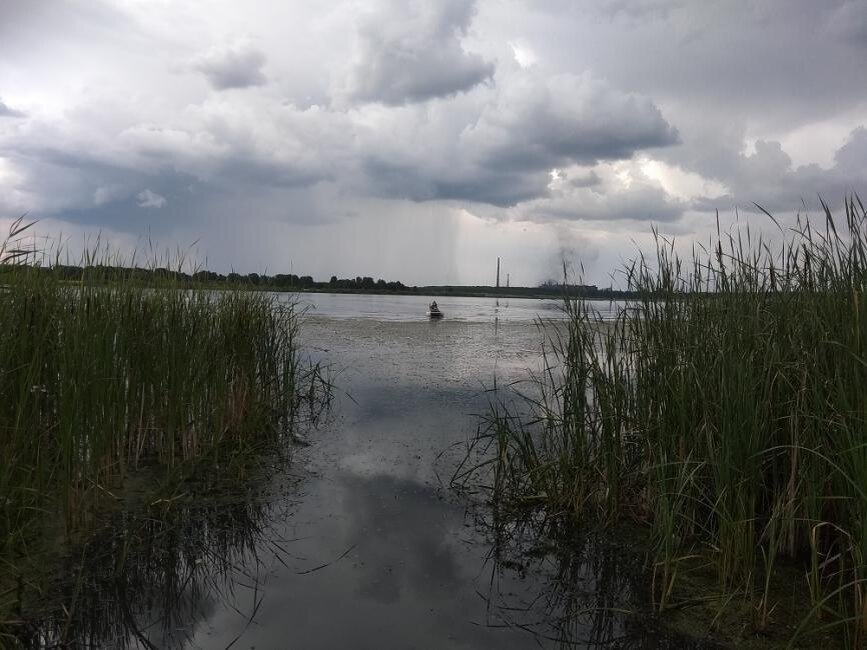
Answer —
99 379
726 408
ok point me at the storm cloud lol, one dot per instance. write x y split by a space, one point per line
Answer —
500 146
539 124
769 177
411 51
278 128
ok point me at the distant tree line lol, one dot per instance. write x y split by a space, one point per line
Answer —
280 281
292 282
366 284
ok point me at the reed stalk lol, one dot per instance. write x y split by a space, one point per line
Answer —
101 377
725 408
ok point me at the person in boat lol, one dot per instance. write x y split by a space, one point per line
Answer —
433 306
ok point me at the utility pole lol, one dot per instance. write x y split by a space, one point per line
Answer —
498 273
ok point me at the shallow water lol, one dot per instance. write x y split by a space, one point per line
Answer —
360 543
409 308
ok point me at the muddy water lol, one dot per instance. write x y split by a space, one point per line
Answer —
360 543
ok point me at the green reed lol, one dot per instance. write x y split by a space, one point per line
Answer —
726 408
100 378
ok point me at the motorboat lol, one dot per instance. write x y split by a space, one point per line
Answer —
433 311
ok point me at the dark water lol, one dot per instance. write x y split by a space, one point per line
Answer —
359 542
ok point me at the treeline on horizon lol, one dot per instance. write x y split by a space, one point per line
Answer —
293 282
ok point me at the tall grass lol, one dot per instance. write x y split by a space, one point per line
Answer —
726 408
98 379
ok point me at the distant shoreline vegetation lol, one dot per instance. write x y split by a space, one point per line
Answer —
306 283
107 384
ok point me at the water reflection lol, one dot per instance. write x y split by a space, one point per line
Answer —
392 531
151 575
418 566
589 591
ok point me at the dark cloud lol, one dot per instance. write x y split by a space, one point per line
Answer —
504 153
69 167
849 21
6 111
778 63
502 190
768 177
236 67
83 189
56 181
540 124
595 114
411 51
852 156
415 182
624 10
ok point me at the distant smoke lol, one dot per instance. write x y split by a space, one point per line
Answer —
573 251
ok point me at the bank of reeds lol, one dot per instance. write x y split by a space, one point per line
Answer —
727 409
99 379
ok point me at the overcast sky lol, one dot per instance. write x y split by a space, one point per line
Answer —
420 139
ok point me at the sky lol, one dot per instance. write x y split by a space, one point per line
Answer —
418 140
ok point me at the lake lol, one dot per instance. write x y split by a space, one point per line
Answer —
409 308
359 542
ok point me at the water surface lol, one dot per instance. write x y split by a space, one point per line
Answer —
359 542
409 308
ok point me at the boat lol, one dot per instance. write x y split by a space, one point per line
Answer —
433 311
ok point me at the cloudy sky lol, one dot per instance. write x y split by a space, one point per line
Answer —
420 139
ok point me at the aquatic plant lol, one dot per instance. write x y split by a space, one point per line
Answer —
99 379
725 409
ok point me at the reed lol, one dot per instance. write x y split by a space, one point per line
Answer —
101 378
725 408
